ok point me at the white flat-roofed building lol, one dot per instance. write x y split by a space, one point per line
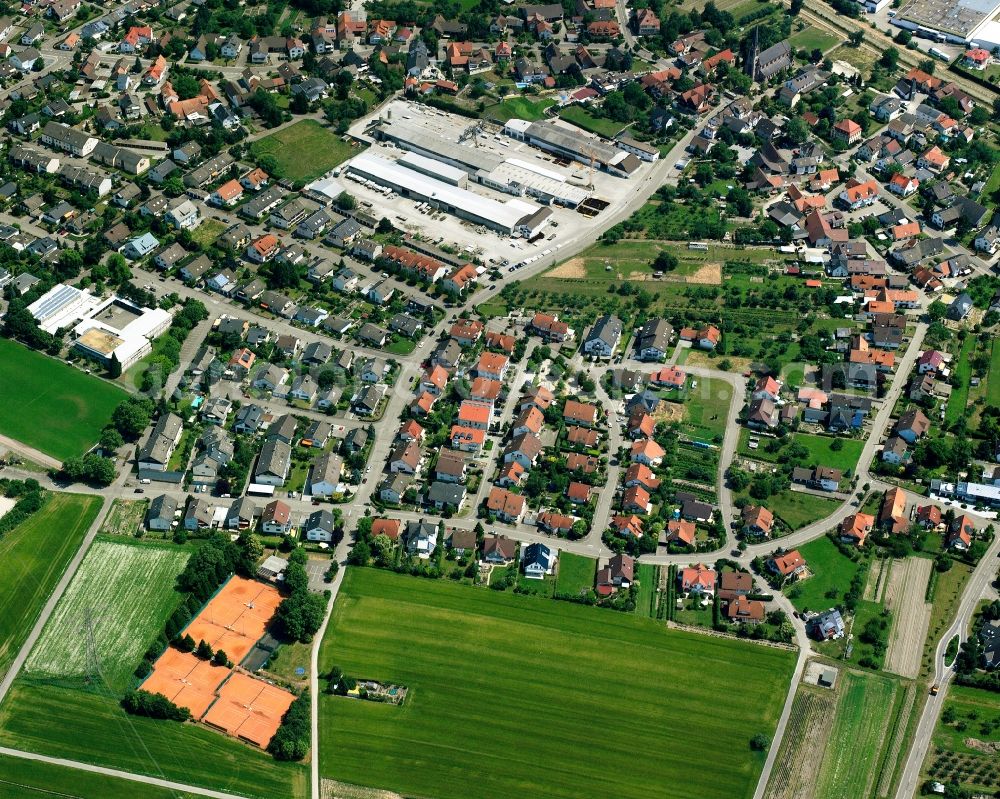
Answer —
435 169
62 306
500 216
120 330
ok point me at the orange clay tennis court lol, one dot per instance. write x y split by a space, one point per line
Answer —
185 680
233 621
249 709
235 618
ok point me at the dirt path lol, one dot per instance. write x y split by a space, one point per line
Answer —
904 596
31 453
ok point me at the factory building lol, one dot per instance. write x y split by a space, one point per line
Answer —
420 185
570 142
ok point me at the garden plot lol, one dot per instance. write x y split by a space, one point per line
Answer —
118 600
904 596
125 517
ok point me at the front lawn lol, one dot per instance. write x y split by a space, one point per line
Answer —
832 573
583 118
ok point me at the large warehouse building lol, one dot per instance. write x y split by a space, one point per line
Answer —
441 192
959 21
461 144
571 142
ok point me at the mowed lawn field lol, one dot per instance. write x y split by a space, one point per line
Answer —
32 779
49 405
304 151
830 570
121 595
576 574
35 554
39 716
509 696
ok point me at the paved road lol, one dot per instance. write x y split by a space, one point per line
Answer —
121 775
30 453
977 588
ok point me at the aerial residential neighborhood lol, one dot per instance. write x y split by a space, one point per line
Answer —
506 365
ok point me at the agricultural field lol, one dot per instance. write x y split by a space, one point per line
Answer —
113 609
576 574
904 596
967 730
863 729
49 405
794 773
545 663
647 576
35 555
32 779
518 108
42 717
831 571
304 151
125 517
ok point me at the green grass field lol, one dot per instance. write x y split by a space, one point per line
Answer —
993 378
207 232
645 603
859 735
707 408
830 570
509 697
583 118
821 452
518 108
820 449
121 595
951 759
49 405
963 371
576 574
35 554
31 779
304 151
797 509
811 39
977 711
92 728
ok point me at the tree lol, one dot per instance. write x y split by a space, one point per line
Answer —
220 658
937 310
111 440
115 367
204 651
131 417
665 261
760 742
856 38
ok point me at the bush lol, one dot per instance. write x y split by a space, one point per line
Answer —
154 706
760 742
291 741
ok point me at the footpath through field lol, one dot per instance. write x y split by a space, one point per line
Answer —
122 775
